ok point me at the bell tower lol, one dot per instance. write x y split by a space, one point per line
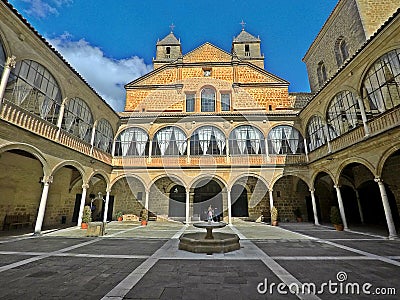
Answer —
167 50
248 47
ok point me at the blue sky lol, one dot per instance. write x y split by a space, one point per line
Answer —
111 43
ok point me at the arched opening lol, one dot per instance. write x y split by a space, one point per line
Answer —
207 192
291 197
250 199
21 187
240 205
129 196
97 197
325 196
392 183
64 198
177 202
132 141
160 197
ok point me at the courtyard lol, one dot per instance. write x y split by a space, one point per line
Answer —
143 262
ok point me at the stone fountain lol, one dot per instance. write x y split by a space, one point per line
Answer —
210 242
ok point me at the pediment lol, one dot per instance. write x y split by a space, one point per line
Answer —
207 53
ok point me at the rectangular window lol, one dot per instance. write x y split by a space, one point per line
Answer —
225 102
190 101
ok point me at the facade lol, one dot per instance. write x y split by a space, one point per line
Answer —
208 127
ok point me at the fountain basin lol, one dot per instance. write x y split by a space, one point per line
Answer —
209 243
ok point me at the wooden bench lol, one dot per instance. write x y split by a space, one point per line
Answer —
11 221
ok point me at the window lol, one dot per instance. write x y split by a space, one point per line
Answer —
170 140
78 119
104 136
207 72
342 114
315 133
132 142
168 52
246 50
208 140
207 100
225 102
380 86
321 72
246 139
190 102
2 57
32 87
284 139
341 51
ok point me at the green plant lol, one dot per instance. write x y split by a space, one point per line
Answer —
119 214
87 214
336 219
274 214
297 212
144 215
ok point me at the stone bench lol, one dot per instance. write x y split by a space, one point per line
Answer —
130 217
16 221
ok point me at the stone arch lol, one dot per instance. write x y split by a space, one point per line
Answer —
128 175
279 176
221 182
292 193
259 177
315 174
127 126
246 124
349 161
103 174
72 163
384 158
32 150
175 177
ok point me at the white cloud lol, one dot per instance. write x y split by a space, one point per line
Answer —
106 75
43 8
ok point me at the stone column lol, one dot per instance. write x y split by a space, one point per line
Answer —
228 191
150 150
363 116
10 63
271 199
306 149
146 201
187 206
227 150
106 206
92 137
386 207
328 139
314 206
60 118
188 151
359 206
82 205
42 206
341 207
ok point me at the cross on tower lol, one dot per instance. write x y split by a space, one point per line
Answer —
172 26
243 24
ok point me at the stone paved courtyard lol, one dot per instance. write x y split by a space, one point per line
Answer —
135 262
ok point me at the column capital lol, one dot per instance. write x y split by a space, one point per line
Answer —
108 191
312 190
85 186
378 180
11 62
270 190
337 186
47 179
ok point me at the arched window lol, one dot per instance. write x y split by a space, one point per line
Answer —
285 139
132 142
315 133
341 51
343 114
78 119
32 87
104 136
208 100
321 72
380 86
208 140
170 140
2 57
246 139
